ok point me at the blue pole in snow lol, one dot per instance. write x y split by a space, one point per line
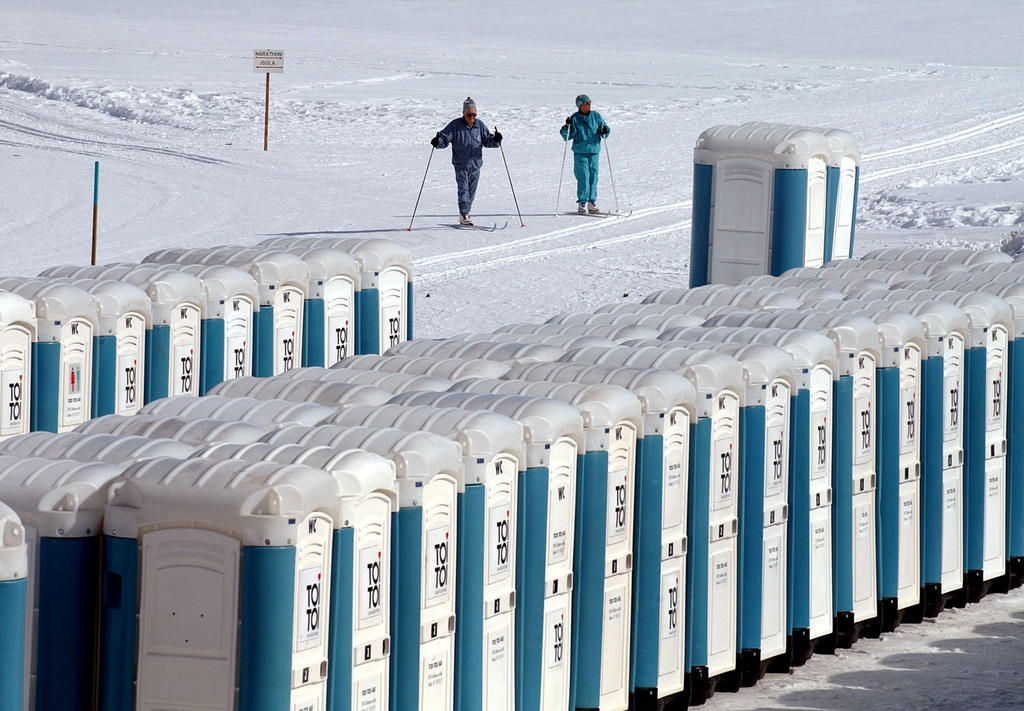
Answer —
95 207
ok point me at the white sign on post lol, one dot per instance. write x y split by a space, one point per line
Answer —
268 60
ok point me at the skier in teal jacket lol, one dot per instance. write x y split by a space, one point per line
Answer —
585 129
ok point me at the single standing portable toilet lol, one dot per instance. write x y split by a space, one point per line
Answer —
384 300
763 485
712 516
602 571
759 201
13 586
124 315
62 354
359 635
493 451
810 487
17 334
658 641
97 447
60 504
450 368
424 532
232 303
268 414
843 186
544 537
217 586
333 395
858 347
283 280
195 432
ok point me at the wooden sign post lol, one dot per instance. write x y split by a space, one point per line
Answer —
270 61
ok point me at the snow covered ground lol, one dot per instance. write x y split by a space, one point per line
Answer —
164 97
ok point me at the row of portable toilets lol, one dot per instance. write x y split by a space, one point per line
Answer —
630 507
83 342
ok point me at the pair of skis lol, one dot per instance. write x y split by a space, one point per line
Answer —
481 228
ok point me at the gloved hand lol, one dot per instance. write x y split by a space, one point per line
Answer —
568 120
434 141
603 131
497 136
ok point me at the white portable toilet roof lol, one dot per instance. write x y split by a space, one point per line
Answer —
195 432
761 363
850 334
418 456
60 498
811 294
221 284
482 435
982 313
373 255
166 287
841 144
392 382
98 447
939 318
261 502
17 309
972 257
261 413
448 368
504 352
271 270
672 295
807 348
70 271
783 146
174 255
896 329
1014 269
564 341
56 304
606 331
325 263
13 549
113 300
358 473
329 394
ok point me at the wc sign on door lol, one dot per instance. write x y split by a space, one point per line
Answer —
311 601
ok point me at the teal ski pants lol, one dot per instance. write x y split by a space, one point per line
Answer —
584 165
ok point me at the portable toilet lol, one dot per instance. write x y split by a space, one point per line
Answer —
283 280
658 641
384 311
602 573
60 504
449 368
392 382
17 336
333 395
544 537
97 447
195 432
510 353
810 487
763 484
232 303
493 451
124 315
854 479
843 186
13 587
430 477
216 586
268 414
712 516
759 201
62 353
360 623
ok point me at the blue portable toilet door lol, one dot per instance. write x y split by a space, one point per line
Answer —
238 331
724 532
909 576
498 650
188 619
997 366
843 233
741 220
340 319
865 577
672 615
288 305
371 644
76 374
437 631
558 580
817 195
184 365
15 380
775 541
821 502
131 357
953 464
312 593
393 286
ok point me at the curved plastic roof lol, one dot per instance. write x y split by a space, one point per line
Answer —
329 394
114 299
373 255
56 303
783 146
261 413
392 382
13 550
449 368
195 432
15 309
97 447
221 284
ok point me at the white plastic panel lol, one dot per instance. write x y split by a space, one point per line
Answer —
821 571
188 620
615 640
555 672
909 578
372 613
288 305
773 596
131 355
995 517
952 401
238 329
814 240
499 584
740 220
436 674
722 606
864 573
672 626
561 508
76 374
844 209
184 365
393 283
437 618
312 593
776 464
952 529
339 314
996 359
15 377
621 470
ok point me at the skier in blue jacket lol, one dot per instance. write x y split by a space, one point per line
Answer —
585 128
467 137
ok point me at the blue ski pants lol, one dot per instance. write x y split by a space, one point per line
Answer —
466 178
584 165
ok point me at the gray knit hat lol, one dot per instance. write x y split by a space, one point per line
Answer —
468 104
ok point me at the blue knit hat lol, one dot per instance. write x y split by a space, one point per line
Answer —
581 99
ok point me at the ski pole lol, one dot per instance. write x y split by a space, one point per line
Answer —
561 174
429 158
521 223
611 176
